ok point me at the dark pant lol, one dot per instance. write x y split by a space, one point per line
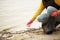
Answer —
57 23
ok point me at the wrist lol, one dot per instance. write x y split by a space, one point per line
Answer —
31 20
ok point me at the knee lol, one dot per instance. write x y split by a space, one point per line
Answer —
51 9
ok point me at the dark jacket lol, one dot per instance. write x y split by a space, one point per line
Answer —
47 3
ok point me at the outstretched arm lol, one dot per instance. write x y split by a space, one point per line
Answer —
38 12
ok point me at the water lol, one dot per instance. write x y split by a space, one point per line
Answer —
17 12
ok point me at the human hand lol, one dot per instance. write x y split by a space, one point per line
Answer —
29 23
55 14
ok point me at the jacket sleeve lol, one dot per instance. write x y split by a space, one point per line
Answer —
59 11
38 11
